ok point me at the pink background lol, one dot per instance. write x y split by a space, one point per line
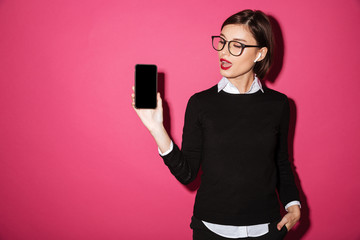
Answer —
75 160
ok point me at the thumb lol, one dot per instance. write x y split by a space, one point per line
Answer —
282 223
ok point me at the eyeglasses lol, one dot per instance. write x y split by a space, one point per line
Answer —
235 48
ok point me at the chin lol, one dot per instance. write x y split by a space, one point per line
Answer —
226 73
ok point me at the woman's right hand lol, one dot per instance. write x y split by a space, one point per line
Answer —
151 118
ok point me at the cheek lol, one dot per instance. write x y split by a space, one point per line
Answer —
243 63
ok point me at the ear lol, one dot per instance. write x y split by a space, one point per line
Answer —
263 52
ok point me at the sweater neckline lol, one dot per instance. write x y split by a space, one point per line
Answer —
242 95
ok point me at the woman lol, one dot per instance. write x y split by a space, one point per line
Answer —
237 131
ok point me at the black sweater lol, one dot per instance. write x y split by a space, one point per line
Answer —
240 141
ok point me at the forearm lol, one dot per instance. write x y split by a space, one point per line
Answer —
161 137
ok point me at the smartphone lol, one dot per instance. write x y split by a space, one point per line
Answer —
145 85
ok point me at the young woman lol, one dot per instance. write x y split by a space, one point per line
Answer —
237 131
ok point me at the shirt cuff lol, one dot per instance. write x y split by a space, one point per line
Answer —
168 151
292 203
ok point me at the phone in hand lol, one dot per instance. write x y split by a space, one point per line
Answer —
145 85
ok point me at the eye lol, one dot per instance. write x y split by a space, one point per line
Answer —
237 45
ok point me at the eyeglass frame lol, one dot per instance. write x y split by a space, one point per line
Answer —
242 45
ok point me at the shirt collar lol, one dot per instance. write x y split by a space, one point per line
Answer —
225 85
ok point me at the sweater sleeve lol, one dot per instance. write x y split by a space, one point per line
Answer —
286 183
184 164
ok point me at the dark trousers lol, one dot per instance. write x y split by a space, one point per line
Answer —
201 232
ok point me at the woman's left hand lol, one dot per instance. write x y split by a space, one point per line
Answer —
291 218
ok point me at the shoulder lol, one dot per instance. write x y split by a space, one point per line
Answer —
275 95
204 95
200 99
278 100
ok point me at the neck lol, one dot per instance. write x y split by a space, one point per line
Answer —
243 82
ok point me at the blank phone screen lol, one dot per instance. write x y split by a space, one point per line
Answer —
145 85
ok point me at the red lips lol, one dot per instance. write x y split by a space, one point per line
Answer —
225 64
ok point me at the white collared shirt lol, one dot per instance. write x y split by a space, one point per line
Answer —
227 230
228 87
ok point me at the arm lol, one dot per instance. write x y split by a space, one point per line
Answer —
184 164
286 184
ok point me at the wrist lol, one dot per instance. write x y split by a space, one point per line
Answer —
295 209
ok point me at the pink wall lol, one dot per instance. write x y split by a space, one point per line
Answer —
75 161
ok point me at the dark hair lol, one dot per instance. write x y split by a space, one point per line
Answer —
259 25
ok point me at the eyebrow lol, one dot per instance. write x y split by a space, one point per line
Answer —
237 39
